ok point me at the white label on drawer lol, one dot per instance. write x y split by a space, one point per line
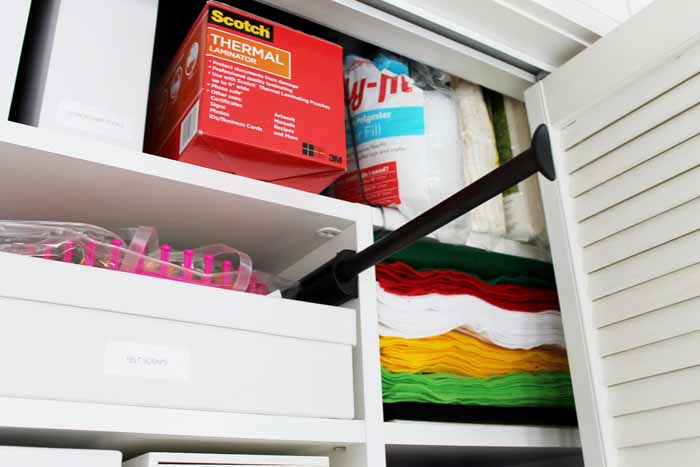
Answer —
84 117
147 361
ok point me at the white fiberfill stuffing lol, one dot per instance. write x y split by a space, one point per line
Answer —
408 143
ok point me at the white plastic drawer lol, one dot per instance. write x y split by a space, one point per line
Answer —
83 336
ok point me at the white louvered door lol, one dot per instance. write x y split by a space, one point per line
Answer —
624 222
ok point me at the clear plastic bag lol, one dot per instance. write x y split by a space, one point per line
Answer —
137 251
404 123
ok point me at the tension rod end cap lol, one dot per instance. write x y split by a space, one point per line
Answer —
543 152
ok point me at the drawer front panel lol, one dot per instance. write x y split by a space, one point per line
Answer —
50 351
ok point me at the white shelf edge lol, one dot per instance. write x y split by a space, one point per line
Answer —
405 38
29 414
406 433
85 149
171 300
513 15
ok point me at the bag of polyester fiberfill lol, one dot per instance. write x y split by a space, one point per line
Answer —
406 135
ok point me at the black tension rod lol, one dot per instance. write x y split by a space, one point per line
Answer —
335 282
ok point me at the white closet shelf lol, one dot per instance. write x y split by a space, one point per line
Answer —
132 429
51 175
413 41
409 433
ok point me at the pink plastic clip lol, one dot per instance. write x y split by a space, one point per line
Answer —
140 265
228 276
30 249
164 258
115 257
68 252
90 249
187 256
208 268
47 251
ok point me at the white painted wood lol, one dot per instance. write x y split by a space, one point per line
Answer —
616 115
659 261
653 359
630 97
645 205
621 57
157 459
515 29
14 456
346 239
566 17
353 455
635 6
372 25
653 232
656 426
668 389
586 371
185 425
367 368
644 162
577 12
678 453
189 205
407 433
649 296
367 378
13 23
672 321
617 9
676 101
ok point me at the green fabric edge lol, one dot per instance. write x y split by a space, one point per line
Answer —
539 389
491 267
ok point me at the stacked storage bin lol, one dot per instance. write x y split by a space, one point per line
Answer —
472 336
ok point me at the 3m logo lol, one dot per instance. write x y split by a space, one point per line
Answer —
308 149
241 24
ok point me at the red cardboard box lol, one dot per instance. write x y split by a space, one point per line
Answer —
255 98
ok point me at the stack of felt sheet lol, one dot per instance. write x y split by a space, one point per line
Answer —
464 331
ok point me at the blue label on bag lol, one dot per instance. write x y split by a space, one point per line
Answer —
382 62
388 123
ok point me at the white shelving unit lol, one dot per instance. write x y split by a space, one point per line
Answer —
630 81
50 175
129 429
